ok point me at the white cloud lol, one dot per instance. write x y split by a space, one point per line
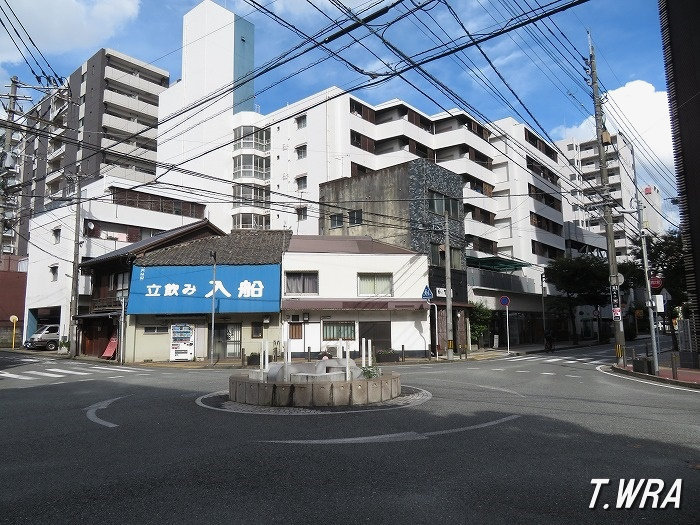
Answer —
59 26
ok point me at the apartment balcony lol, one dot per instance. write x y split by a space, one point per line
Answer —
133 81
56 153
114 170
129 149
129 127
478 278
131 104
105 304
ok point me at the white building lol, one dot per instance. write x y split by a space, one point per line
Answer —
353 288
584 207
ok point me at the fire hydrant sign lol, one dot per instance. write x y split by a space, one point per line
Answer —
189 289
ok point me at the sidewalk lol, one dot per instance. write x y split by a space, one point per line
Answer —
687 377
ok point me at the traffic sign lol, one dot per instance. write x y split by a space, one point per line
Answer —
427 294
656 282
617 279
504 300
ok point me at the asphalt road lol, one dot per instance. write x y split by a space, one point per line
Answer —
509 440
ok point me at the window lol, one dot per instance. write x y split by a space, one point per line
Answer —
437 203
251 195
375 284
437 256
251 221
256 330
337 220
251 166
155 329
302 282
301 214
301 121
56 235
355 217
53 269
295 330
301 182
301 152
334 330
119 283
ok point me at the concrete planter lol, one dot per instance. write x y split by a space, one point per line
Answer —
315 394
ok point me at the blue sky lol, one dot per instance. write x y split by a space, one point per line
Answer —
625 32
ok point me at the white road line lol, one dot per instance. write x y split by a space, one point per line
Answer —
15 376
571 375
498 369
530 357
91 412
43 374
584 359
552 360
522 371
569 362
547 373
143 374
652 383
114 377
471 368
113 368
62 371
30 360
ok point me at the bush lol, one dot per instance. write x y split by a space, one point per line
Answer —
370 372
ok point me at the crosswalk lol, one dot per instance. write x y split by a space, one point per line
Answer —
75 371
569 360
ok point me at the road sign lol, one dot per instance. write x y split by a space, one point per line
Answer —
656 282
504 300
615 302
617 279
427 294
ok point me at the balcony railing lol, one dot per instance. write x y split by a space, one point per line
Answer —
101 304
500 281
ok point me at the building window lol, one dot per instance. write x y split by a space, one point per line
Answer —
437 256
301 121
437 203
301 152
337 220
256 330
53 269
301 182
295 330
355 217
156 329
301 214
302 282
119 284
375 284
56 235
251 221
251 195
334 330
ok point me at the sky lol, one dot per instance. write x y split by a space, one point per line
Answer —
536 73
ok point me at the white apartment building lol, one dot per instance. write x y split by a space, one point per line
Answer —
86 130
583 208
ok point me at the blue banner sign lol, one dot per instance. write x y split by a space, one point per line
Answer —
189 289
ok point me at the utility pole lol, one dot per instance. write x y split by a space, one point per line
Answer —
645 262
448 286
603 138
75 291
7 151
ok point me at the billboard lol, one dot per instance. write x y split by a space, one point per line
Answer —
190 289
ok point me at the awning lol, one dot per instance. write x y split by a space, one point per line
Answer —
497 264
98 315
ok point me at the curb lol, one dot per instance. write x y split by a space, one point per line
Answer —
658 379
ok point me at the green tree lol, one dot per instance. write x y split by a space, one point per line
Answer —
581 280
479 320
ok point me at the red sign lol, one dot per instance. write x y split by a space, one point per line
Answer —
656 282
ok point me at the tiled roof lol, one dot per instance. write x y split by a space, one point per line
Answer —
238 247
342 244
144 245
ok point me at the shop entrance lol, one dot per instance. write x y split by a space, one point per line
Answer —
379 332
233 340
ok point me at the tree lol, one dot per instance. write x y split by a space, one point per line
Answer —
581 280
479 320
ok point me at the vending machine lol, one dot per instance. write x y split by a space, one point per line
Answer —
181 342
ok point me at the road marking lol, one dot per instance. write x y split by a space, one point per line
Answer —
143 374
30 360
571 375
522 371
552 360
114 377
530 357
15 376
569 362
652 383
113 368
498 369
472 368
92 409
389 438
547 373
584 359
61 370
44 374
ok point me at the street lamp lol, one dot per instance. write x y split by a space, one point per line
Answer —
212 253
